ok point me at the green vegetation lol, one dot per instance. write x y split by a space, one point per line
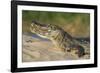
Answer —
77 24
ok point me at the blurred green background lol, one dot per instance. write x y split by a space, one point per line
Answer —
76 24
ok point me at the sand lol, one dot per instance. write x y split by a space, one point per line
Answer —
36 49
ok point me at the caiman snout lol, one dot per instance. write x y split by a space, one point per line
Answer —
34 22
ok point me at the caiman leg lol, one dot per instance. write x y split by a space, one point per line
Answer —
80 51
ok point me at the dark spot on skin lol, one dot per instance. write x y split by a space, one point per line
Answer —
69 50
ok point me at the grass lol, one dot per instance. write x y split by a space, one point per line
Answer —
77 24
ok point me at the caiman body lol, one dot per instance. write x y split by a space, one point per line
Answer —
59 37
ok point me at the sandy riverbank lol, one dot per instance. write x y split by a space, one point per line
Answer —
35 49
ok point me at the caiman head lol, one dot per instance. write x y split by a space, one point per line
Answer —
44 30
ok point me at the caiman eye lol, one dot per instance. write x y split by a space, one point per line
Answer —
52 28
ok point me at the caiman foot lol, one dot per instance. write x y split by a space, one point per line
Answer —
80 51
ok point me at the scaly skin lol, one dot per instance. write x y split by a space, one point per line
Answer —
59 37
